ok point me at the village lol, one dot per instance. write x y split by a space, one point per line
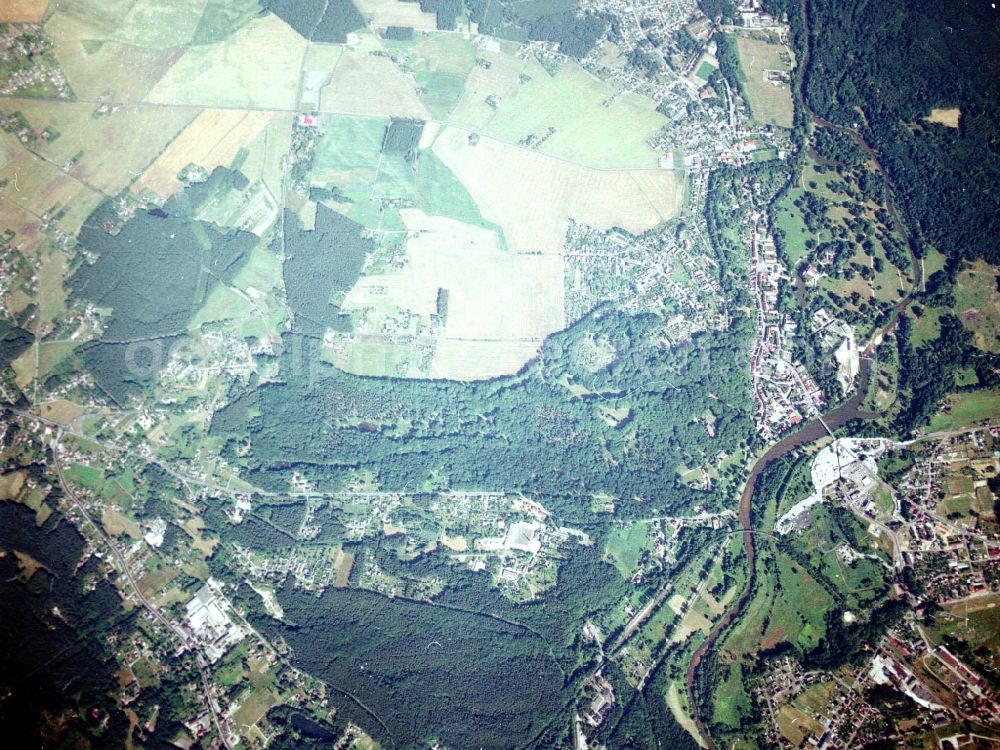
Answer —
935 514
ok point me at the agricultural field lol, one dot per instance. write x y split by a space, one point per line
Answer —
363 83
473 236
568 114
269 54
212 139
535 216
41 191
385 13
765 63
105 149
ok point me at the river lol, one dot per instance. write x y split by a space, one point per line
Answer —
819 427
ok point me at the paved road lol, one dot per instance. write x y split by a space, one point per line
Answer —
153 609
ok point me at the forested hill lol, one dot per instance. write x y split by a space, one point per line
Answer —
882 67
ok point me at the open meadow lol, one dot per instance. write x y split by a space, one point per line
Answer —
569 114
770 101
362 83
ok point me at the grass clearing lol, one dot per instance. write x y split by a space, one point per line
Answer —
385 13
769 102
441 65
155 24
107 149
116 524
947 116
796 726
94 64
977 303
61 411
11 484
626 545
493 296
43 189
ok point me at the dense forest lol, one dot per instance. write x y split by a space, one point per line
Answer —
320 263
54 664
478 682
187 258
480 667
525 433
881 68
541 20
318 20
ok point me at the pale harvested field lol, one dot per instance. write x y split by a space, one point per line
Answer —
257 67
60 411
768 103
501 305
160 25
268 151
116 524
676 603
212 139
23 11
194 527
477 360
363 84
533 196
122 71
454 543
25 226
395 13
343 564
795 725
947 117
693 621
27 565
974 604
24 365
113 148
11 484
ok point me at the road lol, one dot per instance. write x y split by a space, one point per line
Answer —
75 503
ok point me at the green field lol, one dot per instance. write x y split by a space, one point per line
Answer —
588 125
967 409
441 64
626 545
